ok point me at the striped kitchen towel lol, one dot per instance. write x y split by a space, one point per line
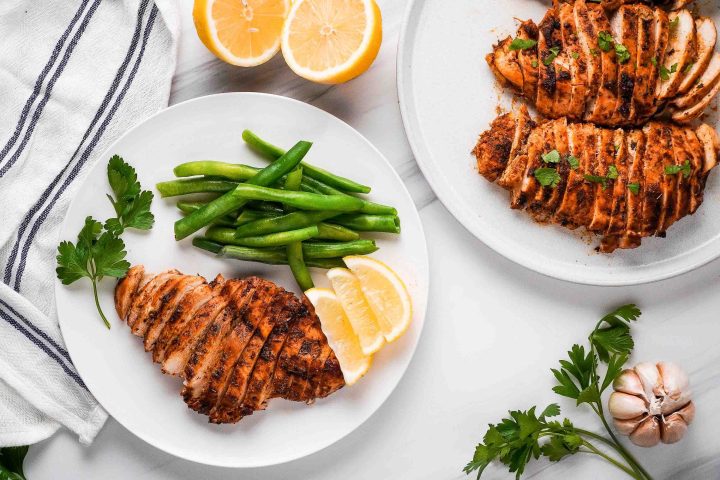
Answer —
74 75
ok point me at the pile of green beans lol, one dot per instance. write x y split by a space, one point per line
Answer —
288 213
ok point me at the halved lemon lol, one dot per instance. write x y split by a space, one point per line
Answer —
385 292
361 316
241 32
332 41
341 337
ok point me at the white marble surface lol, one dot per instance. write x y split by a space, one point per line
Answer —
493 331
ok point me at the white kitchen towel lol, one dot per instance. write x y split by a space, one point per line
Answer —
74 75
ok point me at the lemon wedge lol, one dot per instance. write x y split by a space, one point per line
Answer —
331 41
361 316
386 294
241 32
341 337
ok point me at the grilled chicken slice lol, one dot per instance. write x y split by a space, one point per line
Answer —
616 67
621 184
705 40
667 4
236 343
680 52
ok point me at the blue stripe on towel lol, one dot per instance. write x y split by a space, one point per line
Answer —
20 326
46 194
41 79
48 90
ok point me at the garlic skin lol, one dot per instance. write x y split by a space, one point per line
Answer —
652 403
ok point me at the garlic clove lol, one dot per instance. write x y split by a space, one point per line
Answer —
626 427
687 413
674 379
672 428
629 382
650 379
670 404
624 407
647 434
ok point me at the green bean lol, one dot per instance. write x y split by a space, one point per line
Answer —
328 231
272 152
271 240
274 256
193 185
333 250
298 267
290 221
369 223
206 244
231 201
301 200
249 215
293 179
311 184
230 171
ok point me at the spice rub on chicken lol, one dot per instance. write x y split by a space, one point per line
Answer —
612 67
236 343
621 184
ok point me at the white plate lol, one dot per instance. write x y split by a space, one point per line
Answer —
448 96
113 364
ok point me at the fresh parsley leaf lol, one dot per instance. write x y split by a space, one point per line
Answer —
634 188
522 44
552 410
623 54
605 41
665 72
551 157
561 446
654 61
575 55
11 463
573 161
534 63
614 369
547 177
685 168
94 256
597 179
132 206
551 55
675 22
612 172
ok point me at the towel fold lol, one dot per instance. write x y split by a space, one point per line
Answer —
74 75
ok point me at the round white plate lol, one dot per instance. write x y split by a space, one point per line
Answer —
113 364
448 95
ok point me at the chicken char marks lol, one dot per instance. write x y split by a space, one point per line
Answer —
619 63
620 184
235 343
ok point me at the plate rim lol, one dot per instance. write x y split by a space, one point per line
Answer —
58 287
408 113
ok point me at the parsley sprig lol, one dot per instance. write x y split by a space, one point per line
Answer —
99 251
526 435
11 463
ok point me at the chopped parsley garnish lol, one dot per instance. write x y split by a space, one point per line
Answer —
553 53
522 44
685 168
597 179
573 161
674 23
613 172
547 177
654 61
605 41
551 157
688 67
575 55
622 53
665 72
634 187
534 63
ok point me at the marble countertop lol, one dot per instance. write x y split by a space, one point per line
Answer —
489 340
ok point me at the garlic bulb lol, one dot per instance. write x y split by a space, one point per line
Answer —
652 403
